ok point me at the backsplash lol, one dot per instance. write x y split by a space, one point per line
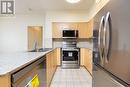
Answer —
57 44
85 44
80 44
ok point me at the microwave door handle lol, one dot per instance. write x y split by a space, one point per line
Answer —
100 41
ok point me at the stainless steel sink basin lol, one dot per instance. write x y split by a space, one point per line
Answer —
41 50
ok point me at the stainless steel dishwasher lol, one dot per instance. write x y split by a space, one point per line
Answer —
22 77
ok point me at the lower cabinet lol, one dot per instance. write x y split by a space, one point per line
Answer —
44 69
5 81
58 55
86 59
52 60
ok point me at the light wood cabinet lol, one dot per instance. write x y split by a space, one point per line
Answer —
52 60
48 68
85 28
58 50
56 30
86 59
5 81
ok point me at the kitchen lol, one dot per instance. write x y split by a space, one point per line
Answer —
50 43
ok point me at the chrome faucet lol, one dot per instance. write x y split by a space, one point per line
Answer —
35 45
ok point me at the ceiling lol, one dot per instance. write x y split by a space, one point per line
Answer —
43 5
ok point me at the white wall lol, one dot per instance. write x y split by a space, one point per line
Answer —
96 8
13 31
61 16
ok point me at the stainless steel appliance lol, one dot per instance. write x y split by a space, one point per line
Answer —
95 45
70 54
113 22
70 33
23 77
69 43
70 58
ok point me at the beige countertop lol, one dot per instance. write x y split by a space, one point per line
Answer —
11 62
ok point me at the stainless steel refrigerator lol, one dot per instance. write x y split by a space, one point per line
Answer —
113 24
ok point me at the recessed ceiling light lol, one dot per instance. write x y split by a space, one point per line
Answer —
73 1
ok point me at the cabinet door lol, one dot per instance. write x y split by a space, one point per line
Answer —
58 56
54 60
57 28
90 29
48 69
5 81
51 62
82 54
86 59
73 25
85 29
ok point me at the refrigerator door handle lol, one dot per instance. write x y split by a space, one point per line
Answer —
107 37
100 41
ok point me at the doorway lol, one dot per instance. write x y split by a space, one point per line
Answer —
35 37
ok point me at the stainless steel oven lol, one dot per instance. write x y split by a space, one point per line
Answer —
70 57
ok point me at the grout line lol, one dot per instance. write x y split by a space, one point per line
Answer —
72 78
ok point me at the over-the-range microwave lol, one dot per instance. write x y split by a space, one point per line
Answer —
69 33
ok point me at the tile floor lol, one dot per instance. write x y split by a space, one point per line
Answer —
72 78
102 79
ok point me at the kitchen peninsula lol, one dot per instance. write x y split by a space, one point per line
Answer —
20 68
14 67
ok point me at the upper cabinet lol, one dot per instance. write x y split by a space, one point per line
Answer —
85 28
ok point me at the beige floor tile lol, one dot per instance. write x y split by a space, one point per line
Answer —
71 78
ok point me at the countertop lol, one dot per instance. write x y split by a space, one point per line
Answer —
11 62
